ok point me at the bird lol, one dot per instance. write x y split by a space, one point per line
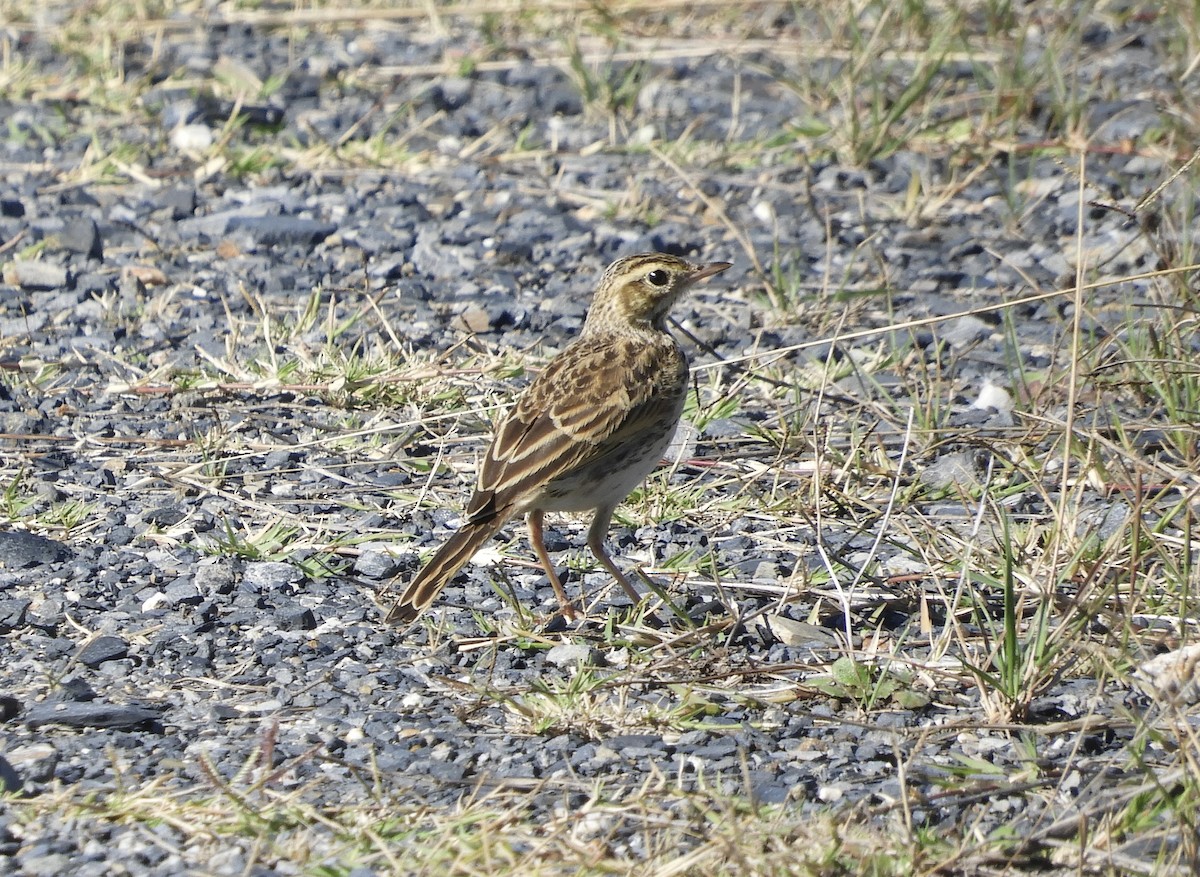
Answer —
585 432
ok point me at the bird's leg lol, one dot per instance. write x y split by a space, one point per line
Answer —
534 521
596 535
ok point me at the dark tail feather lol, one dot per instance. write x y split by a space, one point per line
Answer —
441 568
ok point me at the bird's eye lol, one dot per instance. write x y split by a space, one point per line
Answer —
658 277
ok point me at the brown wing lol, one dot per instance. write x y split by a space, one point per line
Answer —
583 405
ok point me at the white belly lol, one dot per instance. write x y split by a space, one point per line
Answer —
600 484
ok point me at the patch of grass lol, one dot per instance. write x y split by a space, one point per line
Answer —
67 515
16 499
266 543
870 687
609 89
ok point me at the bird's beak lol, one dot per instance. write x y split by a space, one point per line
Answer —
708 271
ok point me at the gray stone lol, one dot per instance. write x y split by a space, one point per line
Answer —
571 655
51 865
34 762
271 575
36 275
951 469
376 565
214 578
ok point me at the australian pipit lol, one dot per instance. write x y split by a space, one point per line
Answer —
588 429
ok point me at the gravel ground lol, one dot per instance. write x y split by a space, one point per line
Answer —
147 647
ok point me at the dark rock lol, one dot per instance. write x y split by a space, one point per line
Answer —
75 689
81 235
19 549
101 649
282 230
452 93
10 780
561 100
223 712
180 201
635 741
121 535
12 614
90 715
278 460
165 516
10 708
295 618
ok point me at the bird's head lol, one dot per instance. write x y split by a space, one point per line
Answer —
640 290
